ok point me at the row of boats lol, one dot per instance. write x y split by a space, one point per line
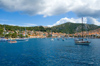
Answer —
13 40
78 41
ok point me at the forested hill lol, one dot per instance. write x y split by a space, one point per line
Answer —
14 28
64 28
73 27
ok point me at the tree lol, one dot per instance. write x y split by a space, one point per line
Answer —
26 36
14 35
8 35
21 36
1 32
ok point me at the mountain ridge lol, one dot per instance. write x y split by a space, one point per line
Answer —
67 27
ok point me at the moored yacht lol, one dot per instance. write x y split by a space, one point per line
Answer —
82 41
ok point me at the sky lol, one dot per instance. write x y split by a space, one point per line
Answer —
49 12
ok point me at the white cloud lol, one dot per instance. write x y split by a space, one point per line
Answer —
64 20
91 20
88 20
53 7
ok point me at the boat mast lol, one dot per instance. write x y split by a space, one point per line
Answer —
51 32
25 32
82 28
20 33
68 34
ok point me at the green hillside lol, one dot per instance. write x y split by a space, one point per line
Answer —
73 27
64 28
14 28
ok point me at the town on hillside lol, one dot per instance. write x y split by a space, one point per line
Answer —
40 34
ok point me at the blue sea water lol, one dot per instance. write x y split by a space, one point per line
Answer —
44 52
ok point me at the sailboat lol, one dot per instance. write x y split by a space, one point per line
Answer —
62 39
58 38
82 41
51 37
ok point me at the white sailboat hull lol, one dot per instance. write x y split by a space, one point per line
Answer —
82 42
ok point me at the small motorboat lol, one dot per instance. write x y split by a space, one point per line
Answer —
27 40
12 41
62 39
58 39
52 39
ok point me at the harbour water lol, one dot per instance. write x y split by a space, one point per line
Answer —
44 52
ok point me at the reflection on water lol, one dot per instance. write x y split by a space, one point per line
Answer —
44 52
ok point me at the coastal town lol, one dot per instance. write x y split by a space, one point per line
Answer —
33 34
40 34
91 33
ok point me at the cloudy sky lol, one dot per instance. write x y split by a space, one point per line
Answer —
48 12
